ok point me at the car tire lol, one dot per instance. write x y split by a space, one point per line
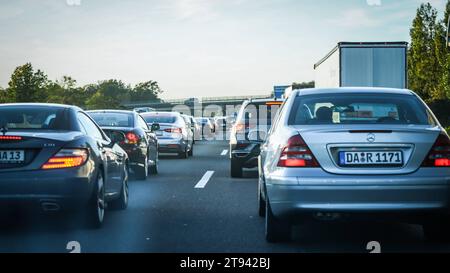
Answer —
122 202
97 205
153 169
191 151
236 169
142 172
184 154
261 205
438 231
276 230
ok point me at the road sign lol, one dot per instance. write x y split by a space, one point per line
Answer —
279 90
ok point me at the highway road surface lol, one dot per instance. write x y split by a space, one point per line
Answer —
194 206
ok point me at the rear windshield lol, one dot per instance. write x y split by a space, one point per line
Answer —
259 113
160 119
359 109
113 119
33 118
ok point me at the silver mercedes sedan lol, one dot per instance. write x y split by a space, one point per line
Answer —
374 153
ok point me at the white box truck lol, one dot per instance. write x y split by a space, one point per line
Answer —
364 64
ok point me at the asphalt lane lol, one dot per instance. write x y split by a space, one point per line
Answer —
167 214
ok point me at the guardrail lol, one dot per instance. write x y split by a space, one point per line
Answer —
200 100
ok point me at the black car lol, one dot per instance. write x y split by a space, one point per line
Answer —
55 157
252 124
140 141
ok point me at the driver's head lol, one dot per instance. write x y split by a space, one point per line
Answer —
324 114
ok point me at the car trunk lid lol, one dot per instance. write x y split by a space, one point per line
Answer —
337 149
26 150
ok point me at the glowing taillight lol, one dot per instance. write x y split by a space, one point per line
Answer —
174 130
131 138
296 154
67 158
442 162
439 155
10 138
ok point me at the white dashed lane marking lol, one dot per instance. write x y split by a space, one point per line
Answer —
205 179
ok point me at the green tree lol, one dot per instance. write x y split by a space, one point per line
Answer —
3 96
447 12
108 95
303 85
65 91
145 92
424 67
445 80
27 85
442 91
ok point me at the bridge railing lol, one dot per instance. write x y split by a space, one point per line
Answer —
200 100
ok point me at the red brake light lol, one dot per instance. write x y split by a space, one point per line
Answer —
131 138
67 158
439 155
297 154
10 138
174 130
442 162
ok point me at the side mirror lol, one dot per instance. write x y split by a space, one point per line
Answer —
116 137
155 127
257 136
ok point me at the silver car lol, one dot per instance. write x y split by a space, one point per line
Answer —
174 135
355 152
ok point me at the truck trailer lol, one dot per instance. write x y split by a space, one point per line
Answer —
364 64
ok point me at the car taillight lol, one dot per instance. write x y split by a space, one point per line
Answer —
296 154
67 158
439 155
10 138
131 138
241 127
174 130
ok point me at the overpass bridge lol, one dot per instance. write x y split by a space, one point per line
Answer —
207 106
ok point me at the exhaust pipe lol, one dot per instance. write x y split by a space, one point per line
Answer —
50 207
328 216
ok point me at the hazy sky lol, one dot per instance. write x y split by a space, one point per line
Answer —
192 47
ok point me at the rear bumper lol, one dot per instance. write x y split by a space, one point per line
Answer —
172 145
136 155
421 193
62 189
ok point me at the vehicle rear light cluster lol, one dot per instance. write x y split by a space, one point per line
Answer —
174 130
242 145
10 138
67 158
296 154
439 155
131 138
241 127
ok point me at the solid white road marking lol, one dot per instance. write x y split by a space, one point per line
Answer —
225 152
205 179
